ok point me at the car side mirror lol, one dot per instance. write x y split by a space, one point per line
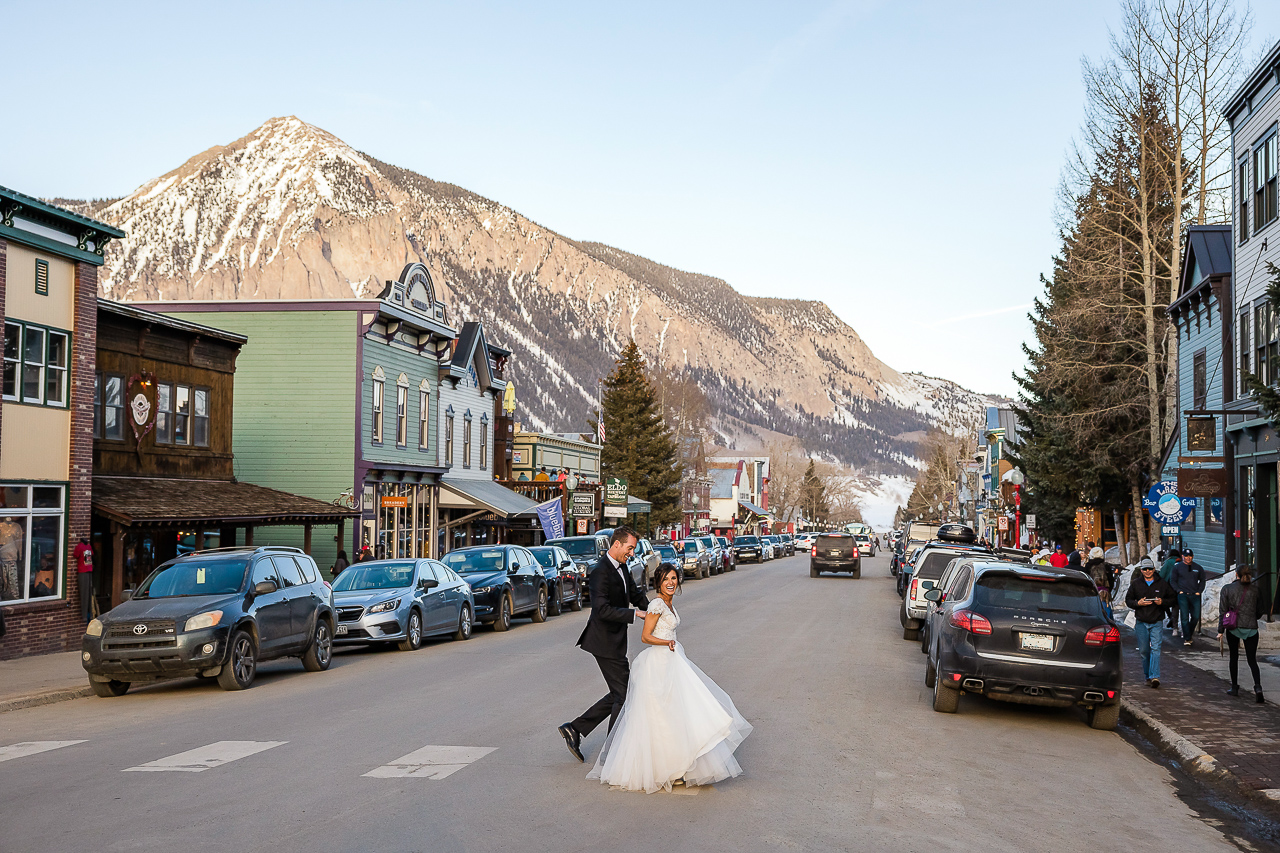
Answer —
125 595
264 587
566 564
429 583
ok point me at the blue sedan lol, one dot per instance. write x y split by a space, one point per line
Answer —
401 601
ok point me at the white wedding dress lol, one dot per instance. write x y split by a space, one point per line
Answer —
675 724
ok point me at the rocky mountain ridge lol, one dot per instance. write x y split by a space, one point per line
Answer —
291 212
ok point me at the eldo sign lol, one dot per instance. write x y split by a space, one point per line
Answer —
615 498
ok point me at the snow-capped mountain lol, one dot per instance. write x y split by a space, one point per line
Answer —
292 212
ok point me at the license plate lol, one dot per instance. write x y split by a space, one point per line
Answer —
340 630
833 553
1037 642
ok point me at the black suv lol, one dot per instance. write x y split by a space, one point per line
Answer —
835 552
214 614
506 580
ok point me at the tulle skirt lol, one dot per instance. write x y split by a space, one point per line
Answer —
676 724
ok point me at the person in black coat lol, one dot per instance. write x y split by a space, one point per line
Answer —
1187 579
612 589
1149 598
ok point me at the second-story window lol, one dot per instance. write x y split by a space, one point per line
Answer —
424 409
448 436
1242 332
112 407
1264 346
35 364
1242 190
164 413
484 442
1199 382
200 418
379 382
1264 183
402 415
466 440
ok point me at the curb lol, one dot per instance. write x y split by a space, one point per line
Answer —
1194 759
46 697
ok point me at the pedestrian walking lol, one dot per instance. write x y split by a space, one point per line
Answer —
1058 560
83 555
1148 598
1075 560
1239 607
1171 559
1188 581
365 555
1096 568
341 563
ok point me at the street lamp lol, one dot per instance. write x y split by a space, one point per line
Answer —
1016 479
571 482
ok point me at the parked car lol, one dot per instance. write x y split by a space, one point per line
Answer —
694 558
715 557
730 558
564 578
667 554
585 551
944 586
927 566
1032 635
835 552
804 542
867 546
748 548
213 614
767 551
400 601
789 539
649 560
506 581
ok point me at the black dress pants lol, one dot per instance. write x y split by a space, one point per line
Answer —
616 672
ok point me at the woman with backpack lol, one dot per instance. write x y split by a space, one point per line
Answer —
1239 607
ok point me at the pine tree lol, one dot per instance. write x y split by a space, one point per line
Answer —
813 495
639 447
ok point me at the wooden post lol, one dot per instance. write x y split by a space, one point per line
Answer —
433 550
341 537
199 543
306 539
248 534
117 564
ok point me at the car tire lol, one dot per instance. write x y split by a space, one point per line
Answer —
319 654
464 624
242 662
930 673
502 622
108 689
856 574
946 700
576 604
909 633
1104 717
413 633
539 613
553 603
813 572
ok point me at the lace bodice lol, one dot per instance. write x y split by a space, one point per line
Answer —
668 620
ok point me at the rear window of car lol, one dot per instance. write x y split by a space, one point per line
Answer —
745 540
1012 591
843 544
933 564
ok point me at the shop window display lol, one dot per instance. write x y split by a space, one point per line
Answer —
31 542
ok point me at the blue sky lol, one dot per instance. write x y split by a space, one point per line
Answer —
897 160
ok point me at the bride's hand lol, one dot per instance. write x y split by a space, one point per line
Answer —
671 644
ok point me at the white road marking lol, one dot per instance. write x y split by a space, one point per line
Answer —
431 762
205 757
32 747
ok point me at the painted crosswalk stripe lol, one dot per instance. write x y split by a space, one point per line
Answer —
431 762
32 747
206 757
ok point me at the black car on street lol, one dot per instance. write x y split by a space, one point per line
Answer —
214 614
564 578
748 548
506 581
1031 635
835 552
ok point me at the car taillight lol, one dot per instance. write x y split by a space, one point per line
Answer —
972 622
1102 635
915 584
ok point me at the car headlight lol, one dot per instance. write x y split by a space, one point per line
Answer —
480 590
94 629
203 620
384 606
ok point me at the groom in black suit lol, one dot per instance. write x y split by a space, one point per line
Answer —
612 589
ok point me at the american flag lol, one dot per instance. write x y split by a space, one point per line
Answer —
600 426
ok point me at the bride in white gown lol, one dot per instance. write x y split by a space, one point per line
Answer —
676 724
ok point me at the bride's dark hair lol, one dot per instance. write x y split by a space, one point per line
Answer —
661 574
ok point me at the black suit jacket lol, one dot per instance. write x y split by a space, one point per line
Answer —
613 605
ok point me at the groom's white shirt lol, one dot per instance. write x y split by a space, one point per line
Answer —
618 568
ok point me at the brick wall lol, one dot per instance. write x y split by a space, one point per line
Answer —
43 627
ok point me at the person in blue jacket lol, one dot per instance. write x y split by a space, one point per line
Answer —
1187 579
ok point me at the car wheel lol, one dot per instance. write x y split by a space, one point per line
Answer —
553 604
107 689
930 673
320 653
539 613
856 573
413 634
503 620
945 699
464 624
1102 717
576 604
242 663
909 633
813 572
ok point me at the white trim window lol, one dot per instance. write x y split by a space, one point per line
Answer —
424 412
36 359
379 383
448 436
32 541
402 415
484 442
466 439
1264 183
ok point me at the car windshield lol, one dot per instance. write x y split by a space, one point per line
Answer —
576 547
471 562
1029 593
745 540
666 551
374 576
691 547
212 576
545 556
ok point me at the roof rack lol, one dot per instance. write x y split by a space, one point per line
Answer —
252 549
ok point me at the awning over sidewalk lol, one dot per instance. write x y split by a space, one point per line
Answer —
752 508
153 501
459 493
637 505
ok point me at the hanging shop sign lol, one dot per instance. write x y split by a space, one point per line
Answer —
395 501
1202 482
615 492
1202 434
582 504
1164 504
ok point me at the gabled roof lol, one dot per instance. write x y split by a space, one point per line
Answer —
473 348
134 312
1208 255
722 481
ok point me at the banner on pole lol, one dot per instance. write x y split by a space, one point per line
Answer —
551 518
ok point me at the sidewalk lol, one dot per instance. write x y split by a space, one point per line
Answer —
1231 740
41 679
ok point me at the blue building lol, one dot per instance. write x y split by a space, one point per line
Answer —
1194 455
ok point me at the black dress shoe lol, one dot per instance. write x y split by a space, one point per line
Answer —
1234 691
1257 696
573 740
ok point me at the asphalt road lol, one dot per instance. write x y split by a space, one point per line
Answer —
847 753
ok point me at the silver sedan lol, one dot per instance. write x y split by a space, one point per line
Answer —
401 601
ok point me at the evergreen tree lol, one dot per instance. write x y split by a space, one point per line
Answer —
639 447
813 496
